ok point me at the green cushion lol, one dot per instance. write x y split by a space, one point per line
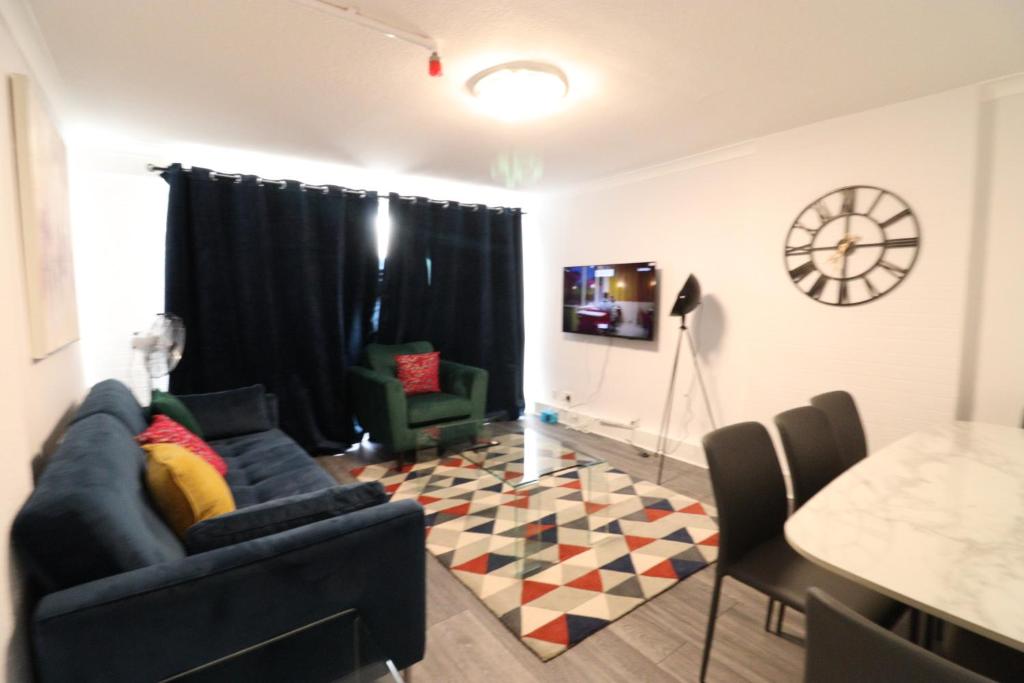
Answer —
381 357
163 403
432 408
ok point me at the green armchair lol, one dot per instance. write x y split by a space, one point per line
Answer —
391 417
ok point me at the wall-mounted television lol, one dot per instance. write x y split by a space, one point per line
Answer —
611 300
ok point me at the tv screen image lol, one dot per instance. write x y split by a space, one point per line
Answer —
610 300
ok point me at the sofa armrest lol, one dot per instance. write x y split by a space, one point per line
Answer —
380 404
164 619
466 381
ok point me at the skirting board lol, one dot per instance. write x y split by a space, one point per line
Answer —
687 450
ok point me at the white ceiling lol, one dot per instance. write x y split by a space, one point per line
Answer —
652 80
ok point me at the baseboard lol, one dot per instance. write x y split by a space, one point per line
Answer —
686 450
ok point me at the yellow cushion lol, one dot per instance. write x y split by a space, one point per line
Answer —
185 487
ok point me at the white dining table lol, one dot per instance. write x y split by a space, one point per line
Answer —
934 520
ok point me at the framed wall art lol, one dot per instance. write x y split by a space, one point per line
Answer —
45 223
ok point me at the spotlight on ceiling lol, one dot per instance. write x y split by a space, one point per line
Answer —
518 91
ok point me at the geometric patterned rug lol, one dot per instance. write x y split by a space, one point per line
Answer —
593 558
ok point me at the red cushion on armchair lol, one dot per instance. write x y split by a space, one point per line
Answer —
420 373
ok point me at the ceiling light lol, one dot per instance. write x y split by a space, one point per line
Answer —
517 91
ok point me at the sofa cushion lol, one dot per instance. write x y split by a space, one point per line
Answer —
269 465
90 515
114 399
282 514
430 408
234 412
381 357
165 430
185 488
170 405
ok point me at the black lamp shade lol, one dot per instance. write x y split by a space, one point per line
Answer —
688 298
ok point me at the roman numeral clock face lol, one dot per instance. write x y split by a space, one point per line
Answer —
852 245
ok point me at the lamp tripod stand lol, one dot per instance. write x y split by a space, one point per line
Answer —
688 299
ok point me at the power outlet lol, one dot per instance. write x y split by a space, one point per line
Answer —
562 396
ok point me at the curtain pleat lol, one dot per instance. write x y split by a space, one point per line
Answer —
454 276
277 287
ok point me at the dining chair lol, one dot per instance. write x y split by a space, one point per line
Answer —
750 495
811 451
981 655
844 647
844 418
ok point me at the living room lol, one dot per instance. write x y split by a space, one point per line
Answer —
526 275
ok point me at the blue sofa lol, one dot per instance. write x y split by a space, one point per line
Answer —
121 599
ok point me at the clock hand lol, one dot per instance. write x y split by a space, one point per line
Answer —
842 247
842 250
859 246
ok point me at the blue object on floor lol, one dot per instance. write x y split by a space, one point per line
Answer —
549 416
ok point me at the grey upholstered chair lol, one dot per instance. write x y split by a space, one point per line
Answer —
844 418
981 655
751 498
811 451
844 647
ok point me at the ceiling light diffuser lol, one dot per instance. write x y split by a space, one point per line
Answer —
517 91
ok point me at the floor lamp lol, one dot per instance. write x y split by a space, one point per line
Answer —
687 300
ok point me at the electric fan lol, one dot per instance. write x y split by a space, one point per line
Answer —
160 348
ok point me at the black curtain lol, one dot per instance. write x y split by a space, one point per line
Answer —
277 286
454 276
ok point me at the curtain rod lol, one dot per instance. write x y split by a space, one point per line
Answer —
282 184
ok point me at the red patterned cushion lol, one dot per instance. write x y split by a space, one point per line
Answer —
165 430
419 372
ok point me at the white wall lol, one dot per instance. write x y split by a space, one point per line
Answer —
119 213
993 386
766 347
36 395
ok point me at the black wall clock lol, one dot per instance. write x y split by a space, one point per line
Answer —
852 245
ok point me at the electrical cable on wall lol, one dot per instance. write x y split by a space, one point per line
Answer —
352 14
597 390
600 380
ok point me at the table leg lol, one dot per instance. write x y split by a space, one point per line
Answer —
782 615
521 537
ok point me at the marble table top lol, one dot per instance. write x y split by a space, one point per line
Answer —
935 520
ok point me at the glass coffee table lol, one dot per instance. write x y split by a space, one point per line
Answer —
542 474
455 435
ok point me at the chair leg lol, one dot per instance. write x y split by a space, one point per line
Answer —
930 629
915 633
712 616
778 623
768 616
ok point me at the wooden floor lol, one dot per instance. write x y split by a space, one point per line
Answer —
661 640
